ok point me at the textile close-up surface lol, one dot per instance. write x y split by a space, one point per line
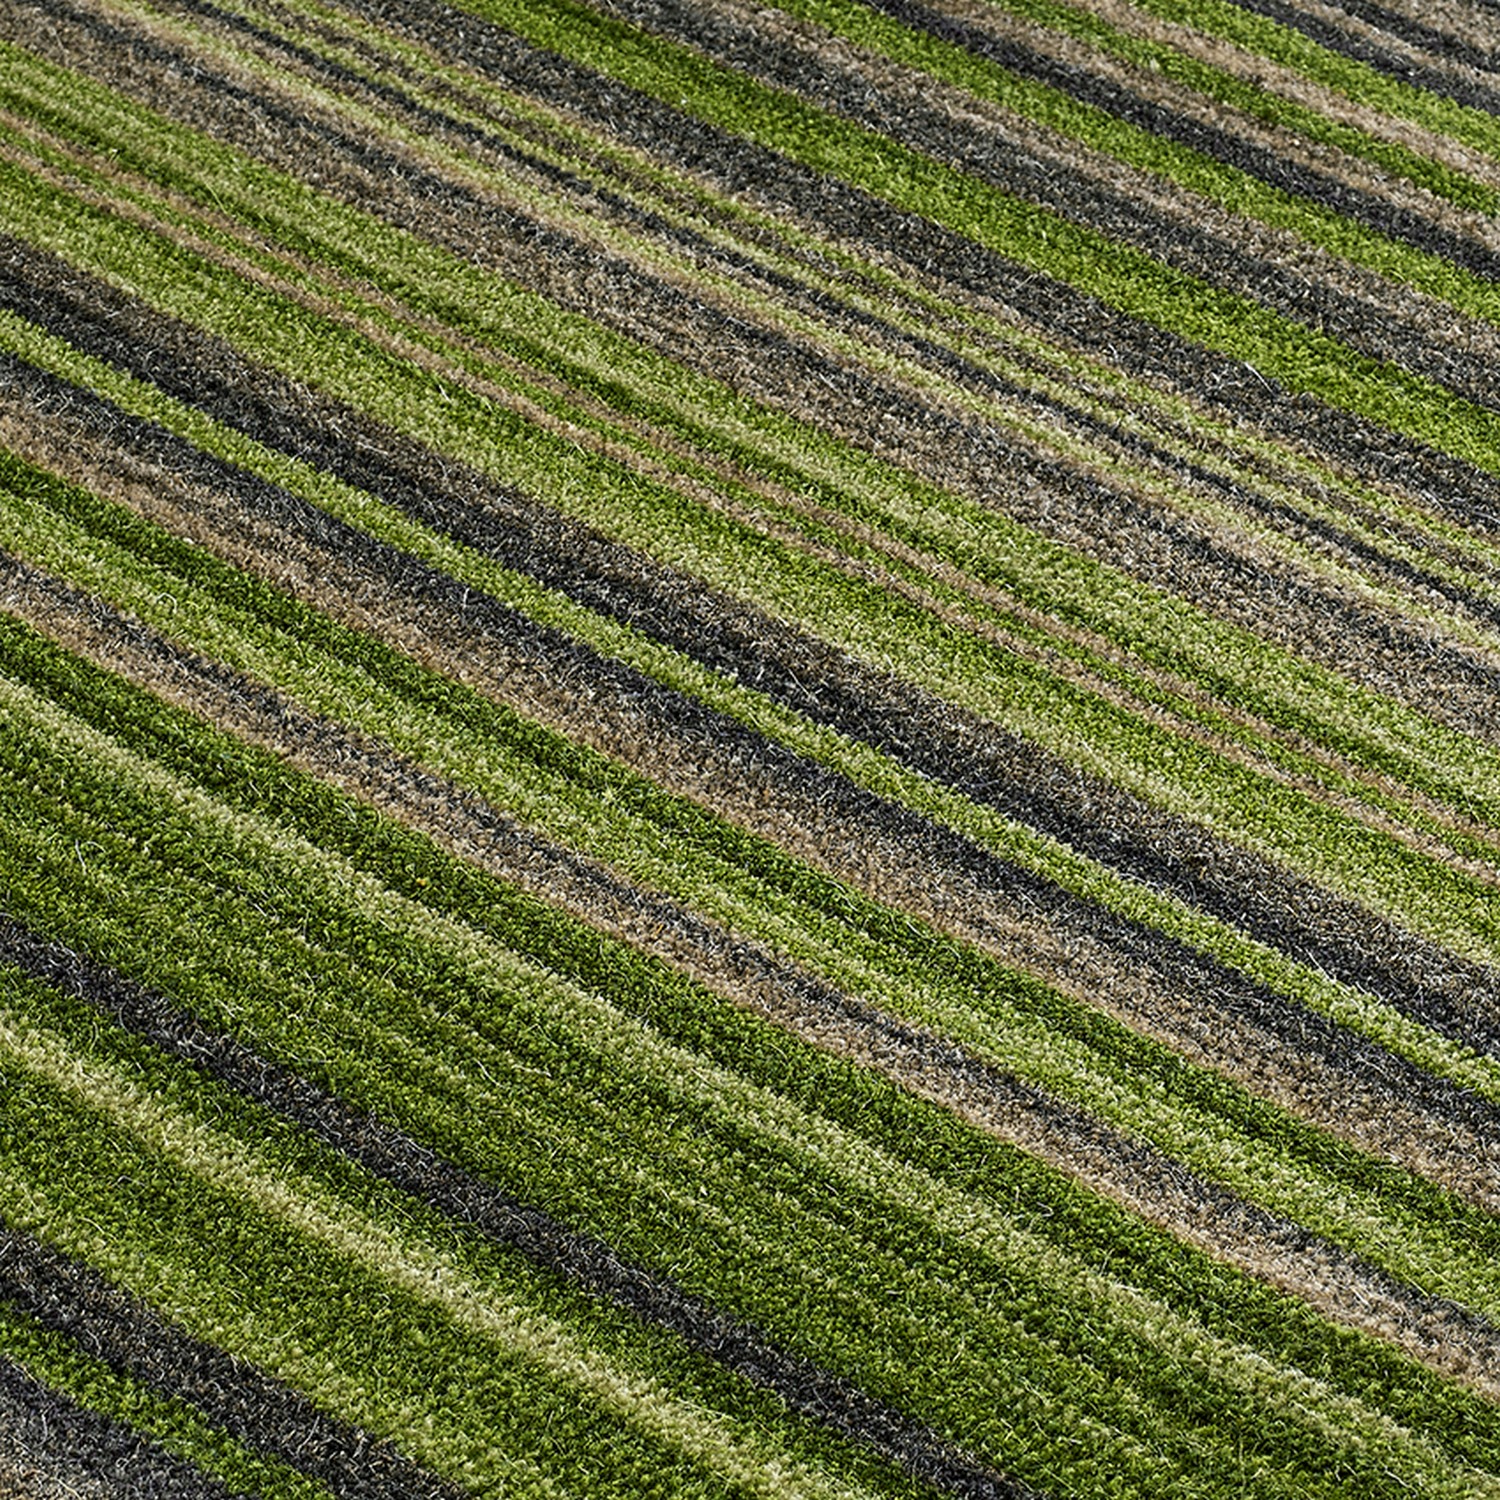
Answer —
750 748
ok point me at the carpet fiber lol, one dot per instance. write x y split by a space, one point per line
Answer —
750 749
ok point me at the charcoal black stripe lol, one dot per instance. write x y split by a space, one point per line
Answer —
1362 49
1223 145
72 1446
131 1338
964 752
407 1164
705 737
1141 348
1170 238
241 1398
1429 38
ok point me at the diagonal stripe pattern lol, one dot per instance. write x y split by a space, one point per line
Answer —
750 749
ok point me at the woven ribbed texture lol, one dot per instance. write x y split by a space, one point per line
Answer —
750 749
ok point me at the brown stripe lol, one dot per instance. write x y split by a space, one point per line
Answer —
1097 190
1343 628
1151 1186
73 1299
1157 87
1218 1020
669 447
808 810
1338 33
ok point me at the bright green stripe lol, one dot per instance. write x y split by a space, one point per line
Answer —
1186 1354
501 1322
175 1424
1034 1044
635 843
866 620
1259 101
271 1260
848 1269
1206 667
1356 80
1197 171
1121 275
840 1092
1171 628
867 767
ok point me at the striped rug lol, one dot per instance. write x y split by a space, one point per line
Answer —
750 748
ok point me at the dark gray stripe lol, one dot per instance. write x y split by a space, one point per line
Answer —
1467 91
736 166
1363 323
48 1440
1375 1082
239 1397
1454 997
1376 213
109 1324
1428 38
413 1167
1079 317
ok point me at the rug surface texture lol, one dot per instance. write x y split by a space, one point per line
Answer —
750 748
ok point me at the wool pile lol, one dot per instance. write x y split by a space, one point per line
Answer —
750 749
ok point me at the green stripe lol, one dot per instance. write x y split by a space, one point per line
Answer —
822 1250
838 1091
930 1129
55 1360
868 768
1194 1121
1125 622
1438 900
1300 357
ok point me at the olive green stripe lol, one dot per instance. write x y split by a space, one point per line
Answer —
253 780
175 1424
1356 80
501 1348
865 766
1079 1078
1239 644
727 553
702 1170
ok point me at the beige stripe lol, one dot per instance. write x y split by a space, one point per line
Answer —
1212 594
1472 24
1357 29
415 1268
1290 145
880 576
1277 78
884 866
1317 269
1336 1286
1154 1193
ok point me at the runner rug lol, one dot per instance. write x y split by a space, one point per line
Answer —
750 749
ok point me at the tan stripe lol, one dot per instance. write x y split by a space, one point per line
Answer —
1356 28
1339 1289
1289 145
1277 78
884 866
1319 270
915 1077
1472 24
1211 592
415 1268
1043 655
